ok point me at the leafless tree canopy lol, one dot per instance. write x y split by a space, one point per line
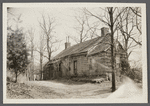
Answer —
48 27
128 24
119 18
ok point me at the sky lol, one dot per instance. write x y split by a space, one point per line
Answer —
31 16
65 22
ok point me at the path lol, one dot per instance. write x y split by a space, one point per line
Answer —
55 89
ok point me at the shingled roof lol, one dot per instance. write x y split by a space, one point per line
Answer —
90 46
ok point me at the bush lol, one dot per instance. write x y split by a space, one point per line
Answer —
134 73
125 67
137 74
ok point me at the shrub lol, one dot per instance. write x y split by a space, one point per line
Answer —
125 67
137 74
134 73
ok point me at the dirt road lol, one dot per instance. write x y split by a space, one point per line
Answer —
54 89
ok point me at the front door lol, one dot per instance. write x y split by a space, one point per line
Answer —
60 70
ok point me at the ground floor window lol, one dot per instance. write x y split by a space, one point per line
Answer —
75 66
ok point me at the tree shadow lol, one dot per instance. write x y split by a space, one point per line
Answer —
103 91
68 81
77 81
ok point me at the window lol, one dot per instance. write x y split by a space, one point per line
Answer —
75 67
69 66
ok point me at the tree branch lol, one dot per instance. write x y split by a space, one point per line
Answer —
97 17
135 12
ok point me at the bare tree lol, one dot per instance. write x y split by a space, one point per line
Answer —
110 20
84 28
46 49
47 25
31 48
137 12
41 49
31 37
41 54
127 24
80 29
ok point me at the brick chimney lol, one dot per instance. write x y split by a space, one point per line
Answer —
67 44
104 31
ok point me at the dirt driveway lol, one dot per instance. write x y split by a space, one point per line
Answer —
68 89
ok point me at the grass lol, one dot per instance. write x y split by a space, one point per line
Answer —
18 90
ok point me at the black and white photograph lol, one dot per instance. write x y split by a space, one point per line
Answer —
74 53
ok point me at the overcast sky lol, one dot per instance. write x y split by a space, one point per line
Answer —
31 16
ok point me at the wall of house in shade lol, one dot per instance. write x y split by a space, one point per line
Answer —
99 64
51 71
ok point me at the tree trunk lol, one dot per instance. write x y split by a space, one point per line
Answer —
80 38
49 55
112 49
32 57
48 49
41 62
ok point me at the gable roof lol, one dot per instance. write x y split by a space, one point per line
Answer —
90 46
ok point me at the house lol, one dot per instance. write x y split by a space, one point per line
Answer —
89 58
